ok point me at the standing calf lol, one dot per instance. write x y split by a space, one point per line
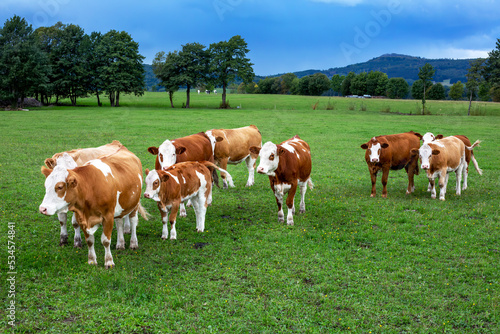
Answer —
288 165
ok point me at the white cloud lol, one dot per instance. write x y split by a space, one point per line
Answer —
341 2
455 53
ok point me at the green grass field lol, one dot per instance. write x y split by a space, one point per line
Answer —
351 263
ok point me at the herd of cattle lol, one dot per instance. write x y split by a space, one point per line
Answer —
103 185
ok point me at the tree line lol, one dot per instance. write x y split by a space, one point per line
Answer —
62 61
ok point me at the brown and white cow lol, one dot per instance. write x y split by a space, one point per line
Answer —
197 147
72 159
99 192
440 157
288 165
231 146
177 184
469 155
392 152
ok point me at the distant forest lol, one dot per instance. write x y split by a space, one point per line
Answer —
394 65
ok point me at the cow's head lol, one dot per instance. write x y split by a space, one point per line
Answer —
57 184
425 152
428 137
153 183
166 153
374 149
269 157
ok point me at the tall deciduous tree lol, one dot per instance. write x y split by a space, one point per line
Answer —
228 61
437 92
474 79
166 70
23 66
492 72
426 73
346 84
192 66
123 71
336 83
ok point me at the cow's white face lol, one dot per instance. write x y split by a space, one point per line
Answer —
153 184
269 159
166 154
374 152
55 192
428 137
425 152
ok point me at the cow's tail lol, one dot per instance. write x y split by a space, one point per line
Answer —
474 161
214 167
310 183
476 144
143 212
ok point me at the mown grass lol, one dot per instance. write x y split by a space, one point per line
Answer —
351 263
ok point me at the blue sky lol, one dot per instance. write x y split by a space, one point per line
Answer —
285 36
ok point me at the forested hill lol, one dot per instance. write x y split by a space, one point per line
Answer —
396 65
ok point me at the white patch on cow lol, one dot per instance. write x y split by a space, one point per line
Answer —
104 168
183 179
212 140
92 230
140 178
438 143
167 150
66 161
174 177
375 152
288 147
428 137
118 208
51 201
267 166
150 179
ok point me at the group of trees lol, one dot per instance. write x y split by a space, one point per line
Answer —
289 83
195 66
62 61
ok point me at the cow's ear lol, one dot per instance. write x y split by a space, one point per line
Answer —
439 136
384 145
45 171
418 135
153 150
364 146
147 171
254 149
50 163
71 181
414 152
163 176
435 152
219 138
281 150
180 150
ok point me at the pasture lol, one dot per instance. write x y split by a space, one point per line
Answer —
351 263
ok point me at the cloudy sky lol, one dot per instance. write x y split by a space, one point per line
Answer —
285 35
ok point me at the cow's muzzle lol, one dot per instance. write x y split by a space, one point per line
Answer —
43 210
147 195
260 170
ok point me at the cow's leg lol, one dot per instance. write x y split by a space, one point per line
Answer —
250 161
458 174
107 230
164 220
385 177
432 185
63 216
411 174
182 211
429 187
303 189
120 240
373 176
126 224
89 238
171 218
200 209
223 165
77 241
443 182
134 220
465 171
290 204
278 193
